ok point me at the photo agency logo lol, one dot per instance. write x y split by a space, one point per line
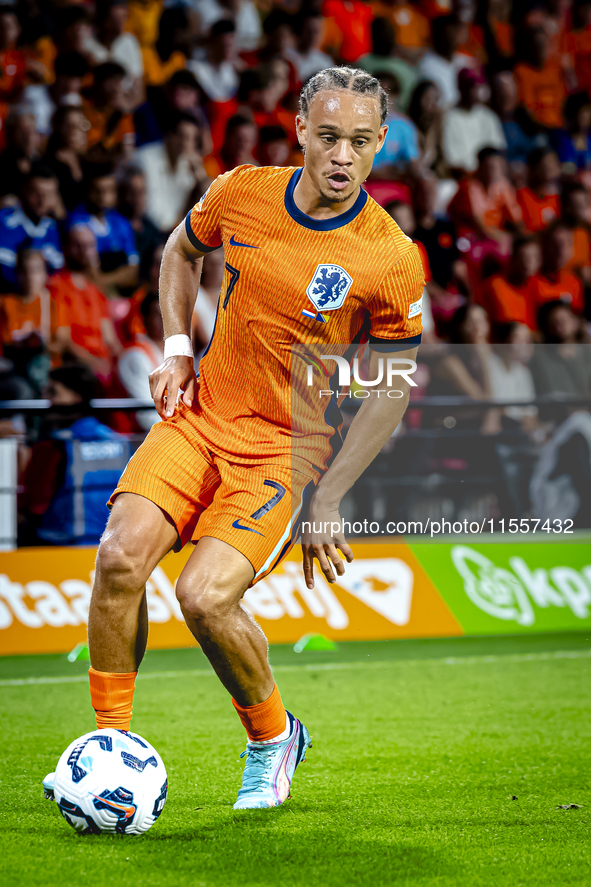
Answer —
389 370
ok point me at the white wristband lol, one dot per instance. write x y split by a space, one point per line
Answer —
176 346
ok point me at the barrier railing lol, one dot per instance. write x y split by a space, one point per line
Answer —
420 477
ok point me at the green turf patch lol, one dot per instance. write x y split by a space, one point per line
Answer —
419 749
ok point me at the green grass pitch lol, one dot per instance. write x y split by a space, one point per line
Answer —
434 763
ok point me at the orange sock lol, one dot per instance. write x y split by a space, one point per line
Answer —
263 721
111 696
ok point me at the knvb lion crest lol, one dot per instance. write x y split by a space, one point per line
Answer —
329 287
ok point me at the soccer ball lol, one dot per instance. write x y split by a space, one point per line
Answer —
110 782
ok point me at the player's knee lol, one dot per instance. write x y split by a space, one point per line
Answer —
119 566
207 600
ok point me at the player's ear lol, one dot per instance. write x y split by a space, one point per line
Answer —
381 138
301 130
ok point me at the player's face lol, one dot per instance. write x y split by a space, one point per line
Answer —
341 136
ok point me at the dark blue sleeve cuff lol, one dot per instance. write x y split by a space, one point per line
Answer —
385 345
202 247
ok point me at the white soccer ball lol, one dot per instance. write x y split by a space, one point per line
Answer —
110 782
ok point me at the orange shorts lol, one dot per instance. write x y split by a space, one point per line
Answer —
255 508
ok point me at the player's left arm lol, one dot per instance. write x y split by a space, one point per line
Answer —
395 323
371 428
180 273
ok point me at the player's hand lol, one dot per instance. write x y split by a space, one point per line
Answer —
323 541
174 374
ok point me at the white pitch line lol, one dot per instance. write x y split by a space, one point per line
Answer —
323 666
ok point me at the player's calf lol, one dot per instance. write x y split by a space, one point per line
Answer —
137 536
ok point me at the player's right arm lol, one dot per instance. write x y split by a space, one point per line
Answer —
180 273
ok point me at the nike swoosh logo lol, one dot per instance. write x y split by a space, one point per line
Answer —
129 811
239 526
234 242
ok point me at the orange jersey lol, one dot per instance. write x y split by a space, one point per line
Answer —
157 72
504 35
295 289
473 46
542 91
493 208
144 20
507 303
411 28
537 212
563 287
109 128
21 318
579 49
348 25
581 250
82 311
13 70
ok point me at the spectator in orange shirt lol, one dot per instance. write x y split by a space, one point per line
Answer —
540 80
348 29
540 202
111 126
411 29
84 329
175 32
261 93
554 282
501 28
511 297
485 208
471 35
27 321
144 16
71 31
27 312
579 45
435 8
556 19
13 61
576 215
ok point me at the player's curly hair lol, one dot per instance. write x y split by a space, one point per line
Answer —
343 78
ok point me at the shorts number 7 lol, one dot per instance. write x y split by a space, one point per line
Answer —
264 509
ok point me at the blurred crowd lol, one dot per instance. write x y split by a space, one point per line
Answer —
115 115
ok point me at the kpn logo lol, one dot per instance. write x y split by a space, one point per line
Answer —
389 370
